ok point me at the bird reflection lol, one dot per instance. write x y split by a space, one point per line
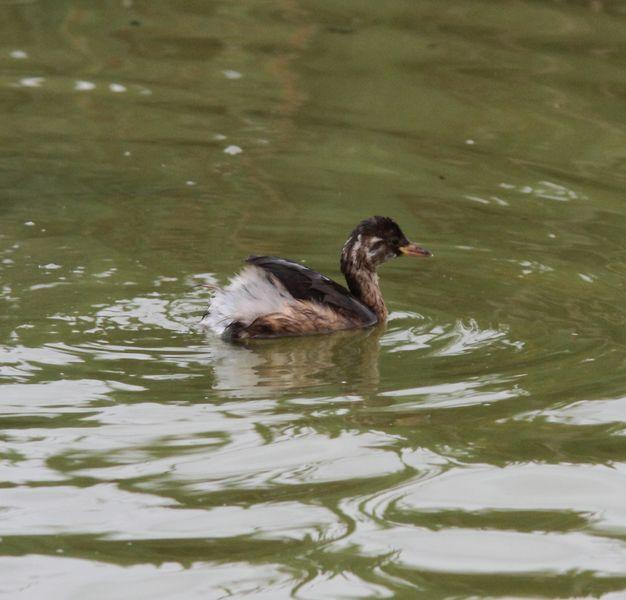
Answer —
346 359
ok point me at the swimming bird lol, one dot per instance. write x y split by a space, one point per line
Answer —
273 297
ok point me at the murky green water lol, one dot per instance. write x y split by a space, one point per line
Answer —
474 448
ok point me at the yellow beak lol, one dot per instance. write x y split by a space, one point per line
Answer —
412 249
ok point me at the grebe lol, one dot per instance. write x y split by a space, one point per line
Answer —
275 297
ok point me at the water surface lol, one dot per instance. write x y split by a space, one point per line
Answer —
474 447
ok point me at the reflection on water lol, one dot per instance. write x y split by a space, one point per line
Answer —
70 577
348 358
471 447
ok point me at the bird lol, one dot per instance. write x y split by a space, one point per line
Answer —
275 297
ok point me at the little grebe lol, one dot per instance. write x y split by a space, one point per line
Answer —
275 297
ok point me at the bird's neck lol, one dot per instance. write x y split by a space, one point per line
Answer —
363 283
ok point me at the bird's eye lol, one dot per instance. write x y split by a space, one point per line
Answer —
394 241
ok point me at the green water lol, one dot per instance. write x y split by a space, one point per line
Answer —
473 448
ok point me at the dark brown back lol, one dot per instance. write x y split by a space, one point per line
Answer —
306 284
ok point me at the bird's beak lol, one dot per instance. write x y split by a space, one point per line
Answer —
412 249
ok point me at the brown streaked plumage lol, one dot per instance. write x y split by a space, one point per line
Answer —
275 297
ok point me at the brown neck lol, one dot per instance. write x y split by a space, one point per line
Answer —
363 283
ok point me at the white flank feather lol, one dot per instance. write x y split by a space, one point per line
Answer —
248 295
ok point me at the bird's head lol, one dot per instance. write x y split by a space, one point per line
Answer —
374 241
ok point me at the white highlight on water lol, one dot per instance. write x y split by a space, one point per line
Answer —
233 150
84 86
31 81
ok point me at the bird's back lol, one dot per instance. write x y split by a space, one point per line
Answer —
309 285
275 297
